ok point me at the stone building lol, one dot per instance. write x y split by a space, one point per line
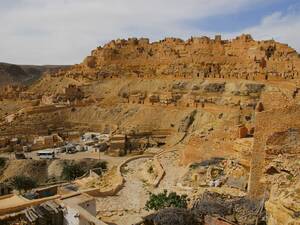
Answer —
48 99
80 209
137 98
189 100
72 93
49 141
166 98
76 209
153 98
117 145
242 131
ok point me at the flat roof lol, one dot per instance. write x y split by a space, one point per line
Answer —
47 151
117 141
14 203
119 135
75 202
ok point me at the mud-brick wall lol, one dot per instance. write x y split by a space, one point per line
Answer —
267 123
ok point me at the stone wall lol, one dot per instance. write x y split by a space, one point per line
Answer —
268 123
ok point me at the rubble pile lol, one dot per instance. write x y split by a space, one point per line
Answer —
217 172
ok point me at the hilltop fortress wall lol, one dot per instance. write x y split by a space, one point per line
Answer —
198 57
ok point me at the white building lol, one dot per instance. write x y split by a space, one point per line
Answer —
80 209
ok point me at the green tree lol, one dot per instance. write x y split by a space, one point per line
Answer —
71 172
165 200
100 167
2 162
22 183
101 164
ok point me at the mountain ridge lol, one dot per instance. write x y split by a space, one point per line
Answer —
24 74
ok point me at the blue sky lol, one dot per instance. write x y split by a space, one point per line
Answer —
244 18
65 31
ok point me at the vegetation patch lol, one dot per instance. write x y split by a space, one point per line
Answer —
72 171
166 200
22 183
2 162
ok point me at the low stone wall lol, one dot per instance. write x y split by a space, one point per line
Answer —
96 192
22 206
40 109
6 196
160 172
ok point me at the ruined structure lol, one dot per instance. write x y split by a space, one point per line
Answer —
197 57
11 91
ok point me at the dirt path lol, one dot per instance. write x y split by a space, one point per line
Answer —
173 173
127 207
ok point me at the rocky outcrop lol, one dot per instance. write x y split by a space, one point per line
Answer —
187 122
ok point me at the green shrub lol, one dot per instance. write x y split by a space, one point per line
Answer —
165 200
100 167
2 162
101 164
22 183
71 172
290 177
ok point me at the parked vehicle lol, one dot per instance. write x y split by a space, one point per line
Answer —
70 148
46 154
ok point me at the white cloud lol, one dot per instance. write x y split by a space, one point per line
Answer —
281 27
65 31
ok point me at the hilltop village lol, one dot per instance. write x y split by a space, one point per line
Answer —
216 120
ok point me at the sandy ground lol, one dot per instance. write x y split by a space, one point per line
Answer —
127 207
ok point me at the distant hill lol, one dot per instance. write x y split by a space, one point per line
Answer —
24 74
